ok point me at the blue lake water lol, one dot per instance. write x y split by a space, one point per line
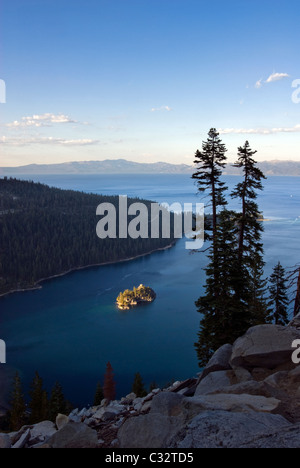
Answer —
70 328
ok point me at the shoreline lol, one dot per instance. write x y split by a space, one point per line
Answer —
94 265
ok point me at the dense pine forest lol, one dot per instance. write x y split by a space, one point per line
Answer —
48 231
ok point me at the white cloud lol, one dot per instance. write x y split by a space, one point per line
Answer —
44 120
259 131
162 108
277 77
45 140
272 78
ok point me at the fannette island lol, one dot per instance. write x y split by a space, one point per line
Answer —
137 296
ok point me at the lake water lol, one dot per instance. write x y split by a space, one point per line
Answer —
70 329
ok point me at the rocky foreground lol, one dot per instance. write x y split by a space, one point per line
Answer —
248 396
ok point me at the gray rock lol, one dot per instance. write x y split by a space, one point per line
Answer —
74 435
151 430
5 441
115 407
167 403
219 361
129 398
99 413
266 346
138 403
108 416
105 402
22 440
82 413
61 421
215 381
146 406
73 416
295 322
221 429
242 375
250 388
42 430
287 381
285 438
228 402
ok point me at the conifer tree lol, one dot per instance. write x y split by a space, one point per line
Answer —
278 296
98 395
249 285
138 386
234 298
218 305
153 385
17 413
57 402
210 162
39 404
297 298
109 386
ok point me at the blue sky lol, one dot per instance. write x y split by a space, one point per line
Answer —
145 80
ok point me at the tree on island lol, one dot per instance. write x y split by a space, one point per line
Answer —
17 413
109 386
138 386
278 296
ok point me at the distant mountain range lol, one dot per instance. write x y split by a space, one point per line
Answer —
122 166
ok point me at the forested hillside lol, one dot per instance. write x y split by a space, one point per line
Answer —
47 231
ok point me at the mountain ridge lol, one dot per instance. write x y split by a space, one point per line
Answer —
123 166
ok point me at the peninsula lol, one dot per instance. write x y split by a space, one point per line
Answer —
137 296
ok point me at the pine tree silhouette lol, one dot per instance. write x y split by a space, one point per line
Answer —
109 387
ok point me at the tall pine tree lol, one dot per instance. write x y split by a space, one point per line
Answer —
297 298
109 386
57 402
17 413
278 296
39 404
98 395
210 162
249 284
218 305
138 386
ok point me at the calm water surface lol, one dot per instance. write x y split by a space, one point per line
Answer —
70 328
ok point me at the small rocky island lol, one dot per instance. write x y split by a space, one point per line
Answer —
137 296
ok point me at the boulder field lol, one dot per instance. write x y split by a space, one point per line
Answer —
248 396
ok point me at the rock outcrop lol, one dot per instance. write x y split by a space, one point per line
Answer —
248 396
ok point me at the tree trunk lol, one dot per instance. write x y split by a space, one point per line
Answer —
297 300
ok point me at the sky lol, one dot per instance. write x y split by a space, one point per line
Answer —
145 80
